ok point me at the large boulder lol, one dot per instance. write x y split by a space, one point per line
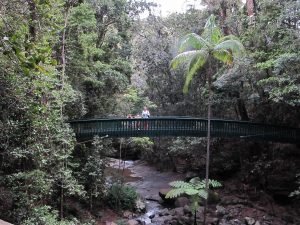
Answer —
163 192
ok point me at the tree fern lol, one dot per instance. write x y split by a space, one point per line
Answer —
174 193
195 187
215 183
180 184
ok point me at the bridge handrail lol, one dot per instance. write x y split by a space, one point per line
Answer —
182 126
182 118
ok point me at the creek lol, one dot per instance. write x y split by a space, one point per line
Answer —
234 207
147 181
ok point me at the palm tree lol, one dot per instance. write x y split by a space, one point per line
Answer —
198 51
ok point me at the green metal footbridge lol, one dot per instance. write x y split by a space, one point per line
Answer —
182 126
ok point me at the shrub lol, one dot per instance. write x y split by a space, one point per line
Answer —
122 197
45 216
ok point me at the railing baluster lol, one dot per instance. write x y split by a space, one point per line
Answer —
86 129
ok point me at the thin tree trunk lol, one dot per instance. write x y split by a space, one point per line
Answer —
33 18
208 138
91 200
63 53
62 202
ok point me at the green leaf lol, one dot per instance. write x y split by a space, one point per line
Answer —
191 191
192 41
215 183
175 193
182 58
224 56
234 46
180 184
195 66
212 33
203 194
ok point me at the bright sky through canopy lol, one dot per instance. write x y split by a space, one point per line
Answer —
166 7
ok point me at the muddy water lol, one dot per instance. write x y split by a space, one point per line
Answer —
147 181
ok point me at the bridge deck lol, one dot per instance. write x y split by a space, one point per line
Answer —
182 126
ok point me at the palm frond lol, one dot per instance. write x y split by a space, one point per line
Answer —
198 62
192 41
229 37
234 46
212 32
223 55
183 58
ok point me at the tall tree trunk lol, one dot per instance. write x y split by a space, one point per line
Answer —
241 108
250 7
223 15
208 138
62 77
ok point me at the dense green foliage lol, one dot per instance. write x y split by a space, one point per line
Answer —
122 197
59 59
66 59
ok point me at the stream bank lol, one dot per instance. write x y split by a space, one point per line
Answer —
238 204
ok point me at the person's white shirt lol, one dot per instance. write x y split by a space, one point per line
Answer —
145 113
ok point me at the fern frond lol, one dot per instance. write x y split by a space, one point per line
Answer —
191 191
214 183
203 194
174 193
180 184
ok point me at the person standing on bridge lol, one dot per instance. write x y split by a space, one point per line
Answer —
145 114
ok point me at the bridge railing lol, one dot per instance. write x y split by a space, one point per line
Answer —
182 126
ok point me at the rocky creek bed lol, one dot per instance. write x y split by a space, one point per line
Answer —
236 204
